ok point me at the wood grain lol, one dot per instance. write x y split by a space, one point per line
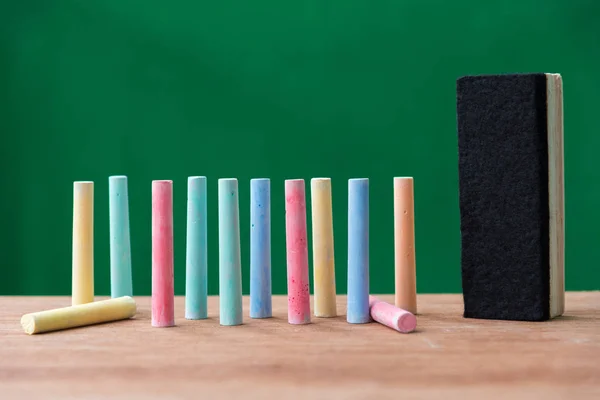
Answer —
447 357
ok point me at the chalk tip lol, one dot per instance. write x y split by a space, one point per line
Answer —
195 316
294 181
227 180
361 319
77 183
131 300
407 323
164 324
196 178
403 178
235 323
358 183
261 316
320 180
117 177
28 324
259 180
326 315
162 181
261 313
298 321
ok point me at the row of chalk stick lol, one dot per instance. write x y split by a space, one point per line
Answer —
229 248
121 308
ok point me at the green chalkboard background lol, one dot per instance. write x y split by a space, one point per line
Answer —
279 89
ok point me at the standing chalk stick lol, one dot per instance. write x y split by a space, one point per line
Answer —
392 317
260 248
83 243
323 248
297 252
404 244
162 254
196 286
120 245
80 315
358 251
230 264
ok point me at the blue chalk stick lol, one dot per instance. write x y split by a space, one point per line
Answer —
230 264
358 251
260 248
120 242
196 287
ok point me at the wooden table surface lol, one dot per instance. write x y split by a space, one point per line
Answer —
448 357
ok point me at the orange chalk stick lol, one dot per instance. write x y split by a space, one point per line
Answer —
404 245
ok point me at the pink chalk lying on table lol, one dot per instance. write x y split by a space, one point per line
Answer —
392 316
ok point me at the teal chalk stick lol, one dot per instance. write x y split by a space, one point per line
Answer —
230 265
120 242
196 287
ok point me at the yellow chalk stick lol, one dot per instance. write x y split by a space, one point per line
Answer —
80 315
83 243
323 257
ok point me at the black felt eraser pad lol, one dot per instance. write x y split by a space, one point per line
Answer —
505 194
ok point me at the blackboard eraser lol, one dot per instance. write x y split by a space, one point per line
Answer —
511 195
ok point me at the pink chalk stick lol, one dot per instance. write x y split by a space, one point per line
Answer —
392 316
162 254
297 252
